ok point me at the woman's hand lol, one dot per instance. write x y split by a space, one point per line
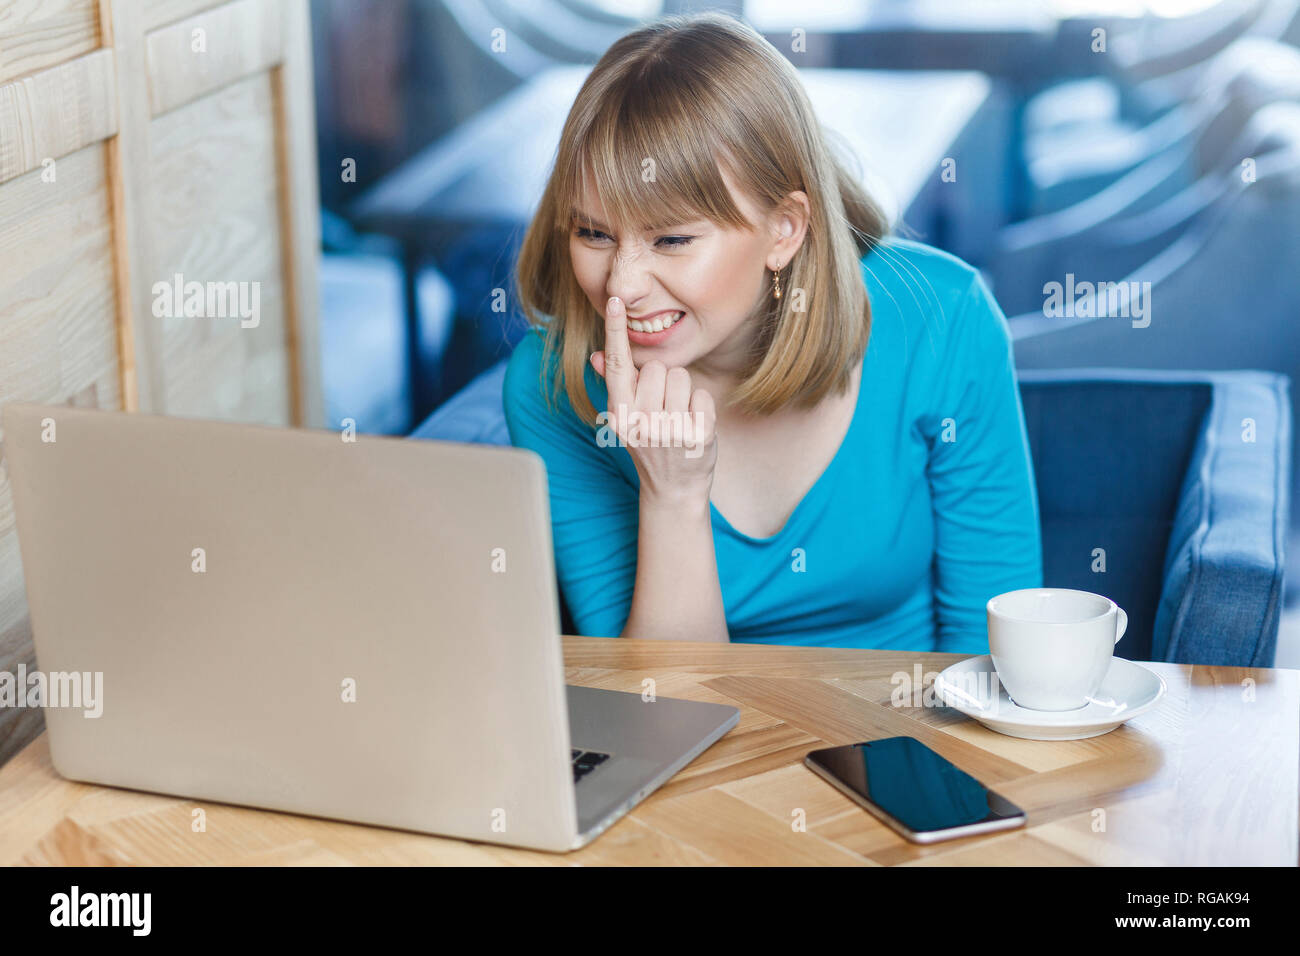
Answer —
669 429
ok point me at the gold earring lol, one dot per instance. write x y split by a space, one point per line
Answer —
776 284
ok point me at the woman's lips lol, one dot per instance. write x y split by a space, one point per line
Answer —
644 337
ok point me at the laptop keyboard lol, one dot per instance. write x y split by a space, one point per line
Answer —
585 761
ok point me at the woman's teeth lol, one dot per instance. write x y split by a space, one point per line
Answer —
657 324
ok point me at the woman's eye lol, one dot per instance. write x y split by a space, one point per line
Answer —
596 235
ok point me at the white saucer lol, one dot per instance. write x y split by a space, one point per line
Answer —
1127 690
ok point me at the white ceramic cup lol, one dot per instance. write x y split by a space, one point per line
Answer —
1052 647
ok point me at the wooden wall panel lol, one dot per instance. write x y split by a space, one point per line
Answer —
55 112
36 34
252 155
128 170
58 344
213 216
167 163
160 13
239 39
295 119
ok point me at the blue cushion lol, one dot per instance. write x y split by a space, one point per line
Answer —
474 414
1223 569
1108 482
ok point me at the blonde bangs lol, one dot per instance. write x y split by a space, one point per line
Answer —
648 158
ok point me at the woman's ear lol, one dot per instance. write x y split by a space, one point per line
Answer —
790 227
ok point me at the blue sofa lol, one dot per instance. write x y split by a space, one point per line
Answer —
1147 494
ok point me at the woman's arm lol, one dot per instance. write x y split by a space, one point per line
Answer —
987 537
593 505
605 550
677 596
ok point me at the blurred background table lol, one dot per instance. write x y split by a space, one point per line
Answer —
992 36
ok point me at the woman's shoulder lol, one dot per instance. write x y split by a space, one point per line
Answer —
523 370
923 295
527 353
897 265
523 385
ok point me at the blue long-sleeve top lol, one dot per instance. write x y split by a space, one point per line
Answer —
927 510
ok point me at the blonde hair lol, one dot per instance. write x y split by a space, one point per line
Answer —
694 92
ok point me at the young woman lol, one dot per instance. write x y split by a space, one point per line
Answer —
860 475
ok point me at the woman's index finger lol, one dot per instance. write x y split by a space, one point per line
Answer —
619 371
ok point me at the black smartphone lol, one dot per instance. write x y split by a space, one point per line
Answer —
914 790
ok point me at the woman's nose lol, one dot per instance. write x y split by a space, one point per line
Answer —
628 277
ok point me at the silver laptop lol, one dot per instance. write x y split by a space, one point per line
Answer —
364 630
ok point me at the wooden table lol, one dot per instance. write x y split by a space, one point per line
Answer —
1209 777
